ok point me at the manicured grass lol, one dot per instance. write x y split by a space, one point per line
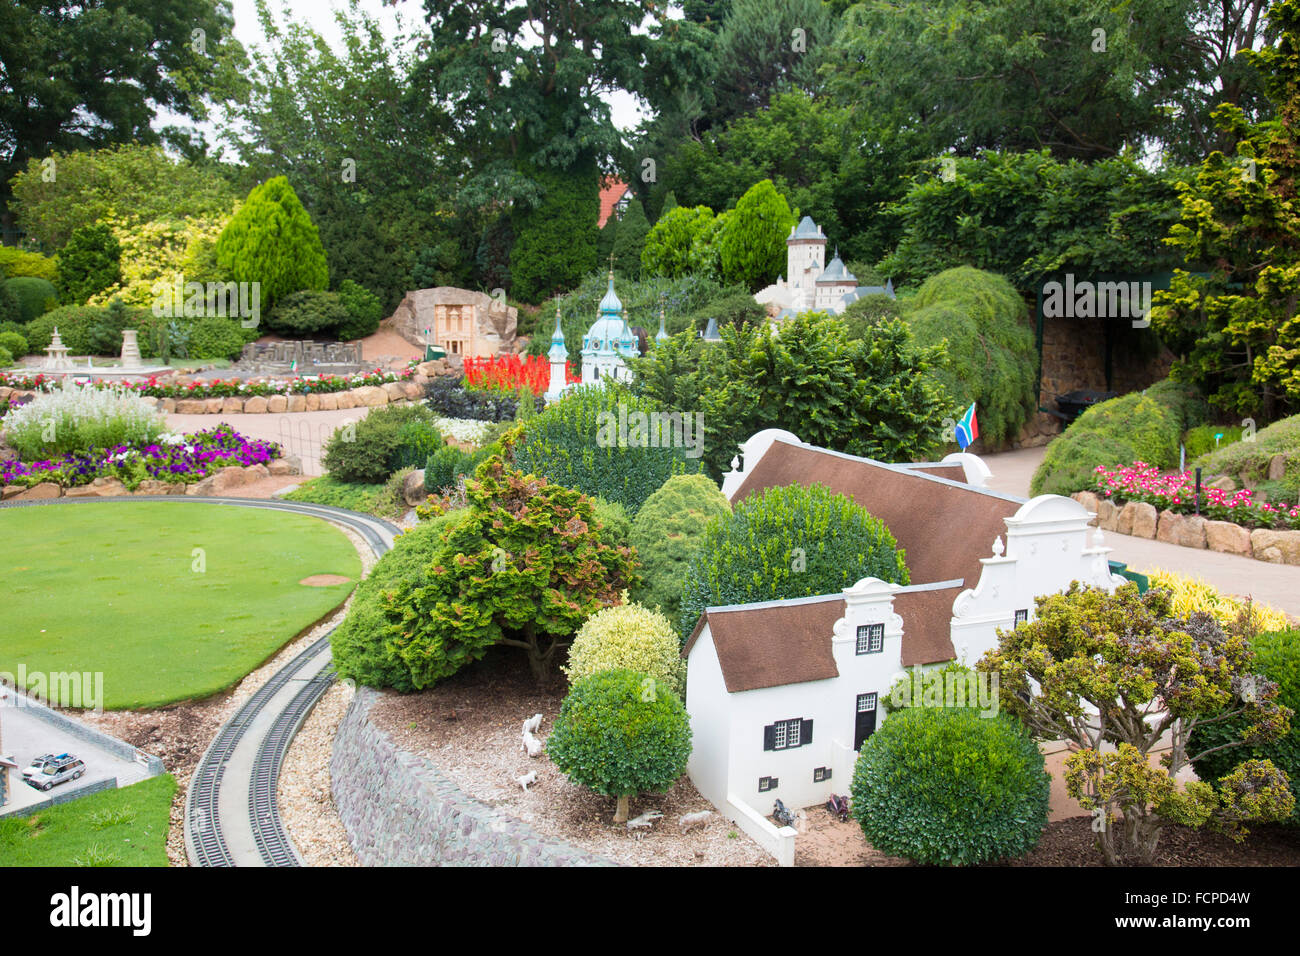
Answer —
124 827
122 588
325 490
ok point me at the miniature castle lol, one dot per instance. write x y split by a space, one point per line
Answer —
605 346
813 285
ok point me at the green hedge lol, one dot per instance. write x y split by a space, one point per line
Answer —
946 786
1277 657
788 542
13 343
668 531
35 296
575 443
1140 426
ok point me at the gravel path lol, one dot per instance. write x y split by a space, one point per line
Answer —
305 797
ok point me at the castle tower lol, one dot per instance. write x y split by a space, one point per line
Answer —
559 358
805 261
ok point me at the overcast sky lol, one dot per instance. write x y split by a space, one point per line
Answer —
319 14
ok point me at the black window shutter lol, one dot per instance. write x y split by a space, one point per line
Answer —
769 737
805 733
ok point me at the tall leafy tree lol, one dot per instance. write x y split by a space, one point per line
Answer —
555 244
752 243
630 239
1235 324
82 75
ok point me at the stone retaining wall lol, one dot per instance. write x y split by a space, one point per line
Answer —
1192 531
227 479
399 809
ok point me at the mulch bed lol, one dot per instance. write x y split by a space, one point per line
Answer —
470 727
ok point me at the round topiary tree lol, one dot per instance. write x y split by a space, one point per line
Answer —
752 244
788 542
667 248
944 785
631 637
35 296
619 736
1277 659
271 240
667 532
364 309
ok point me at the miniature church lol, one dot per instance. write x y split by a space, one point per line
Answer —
605 346
813 285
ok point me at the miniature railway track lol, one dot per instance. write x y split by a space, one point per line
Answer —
265 724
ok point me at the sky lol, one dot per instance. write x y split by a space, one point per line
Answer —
319 14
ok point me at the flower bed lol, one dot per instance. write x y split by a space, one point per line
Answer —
1176 492
232 388
506 373
173 459
467 430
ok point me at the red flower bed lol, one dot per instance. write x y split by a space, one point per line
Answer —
506 373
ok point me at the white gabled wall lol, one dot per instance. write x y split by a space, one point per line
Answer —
707 707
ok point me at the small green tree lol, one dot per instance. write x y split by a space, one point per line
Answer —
620 735
364 309
1120 670
752 245
786 542
524 569
89 263
271 240
630 239
667 532
667 250
628 636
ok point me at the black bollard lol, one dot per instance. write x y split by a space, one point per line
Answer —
1198 491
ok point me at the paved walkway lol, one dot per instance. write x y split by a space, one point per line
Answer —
302 433
1274 584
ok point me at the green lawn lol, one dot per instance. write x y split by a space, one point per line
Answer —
117 588
125 827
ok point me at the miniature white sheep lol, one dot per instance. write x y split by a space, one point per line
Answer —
532 746
526 779
532 723
690 821
644 820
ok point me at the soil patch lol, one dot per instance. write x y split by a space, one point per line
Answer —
323 580
470 726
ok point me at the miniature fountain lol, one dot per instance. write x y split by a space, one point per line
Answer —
56 353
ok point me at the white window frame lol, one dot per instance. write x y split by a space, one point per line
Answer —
870 639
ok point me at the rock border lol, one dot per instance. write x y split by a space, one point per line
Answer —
217 483
1141 520
399 809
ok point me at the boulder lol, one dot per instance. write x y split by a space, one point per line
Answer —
1088 500
227 479
413 488
256 405
1145 517
5 392
256 472
11 491
345 400
313 401
1277 468
202 488
152 486
81 491
395 391
277 404
232 406
191 406
1223 483
1278 547
46 489
297 403
213 405
329 401
370 396
1185 530
1227 537
1107 514
283 466
109 487
168 406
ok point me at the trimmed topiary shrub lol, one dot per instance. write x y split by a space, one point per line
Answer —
945 786
216 338
364 310
13 343
1277 658
307 314
617 735
272 240
363 453
628 636
578 442
1118 432
360 644
417 440
788 542
667 533
89 263
35 296
444 467
992 357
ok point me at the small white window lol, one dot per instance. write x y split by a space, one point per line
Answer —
1022 617
866 702
871 638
